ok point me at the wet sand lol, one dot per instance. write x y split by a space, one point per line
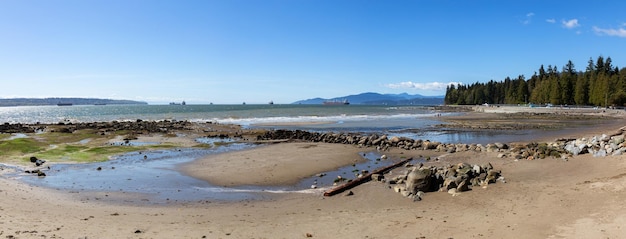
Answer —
277 164
546 198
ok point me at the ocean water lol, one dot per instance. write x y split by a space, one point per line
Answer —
415 122
236 114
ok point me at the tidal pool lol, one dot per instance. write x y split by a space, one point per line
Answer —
152 176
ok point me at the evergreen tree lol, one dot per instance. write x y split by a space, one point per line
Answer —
601 84
581 93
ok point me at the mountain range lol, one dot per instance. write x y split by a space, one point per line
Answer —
371 98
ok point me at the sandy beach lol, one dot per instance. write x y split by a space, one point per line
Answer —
581 197
277 164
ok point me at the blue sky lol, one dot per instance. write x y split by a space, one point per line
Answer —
254 51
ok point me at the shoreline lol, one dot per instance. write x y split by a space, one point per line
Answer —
543 198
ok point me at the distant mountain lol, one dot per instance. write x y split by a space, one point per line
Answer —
65 101
370 98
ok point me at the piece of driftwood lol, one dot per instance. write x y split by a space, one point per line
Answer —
363 179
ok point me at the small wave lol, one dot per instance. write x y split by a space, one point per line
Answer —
312 119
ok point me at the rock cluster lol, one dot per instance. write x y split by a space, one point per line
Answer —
103 127
382 142
16 128
451 178
598 146
37 162
138 125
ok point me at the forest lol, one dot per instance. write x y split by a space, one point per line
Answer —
601 84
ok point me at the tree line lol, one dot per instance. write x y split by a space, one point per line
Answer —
601 84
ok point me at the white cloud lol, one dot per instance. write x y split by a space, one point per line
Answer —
437 86
620 32
528 19
569 24
551 20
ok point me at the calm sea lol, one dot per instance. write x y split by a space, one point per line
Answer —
409 121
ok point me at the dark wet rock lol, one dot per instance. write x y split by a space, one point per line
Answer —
102 127
17 128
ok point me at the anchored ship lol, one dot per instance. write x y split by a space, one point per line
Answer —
336 102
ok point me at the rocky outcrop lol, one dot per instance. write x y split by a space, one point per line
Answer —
102 127
16 128
381 142
417 181
604 145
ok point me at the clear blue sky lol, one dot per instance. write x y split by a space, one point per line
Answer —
254 51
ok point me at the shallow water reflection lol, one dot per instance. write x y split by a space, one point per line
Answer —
152 177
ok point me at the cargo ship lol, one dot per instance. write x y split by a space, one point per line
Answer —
336 102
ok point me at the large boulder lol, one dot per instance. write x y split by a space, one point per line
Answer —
419 180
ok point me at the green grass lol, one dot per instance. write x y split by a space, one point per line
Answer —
82 153
68 147
20 146
58 138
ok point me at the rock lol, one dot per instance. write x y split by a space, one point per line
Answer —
572 148
399 188
487 167
618 139
501 146
377 177
394 140
418 196
350 193
600 153
463 186
501 179
449 182
492 175
419 180
463 168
